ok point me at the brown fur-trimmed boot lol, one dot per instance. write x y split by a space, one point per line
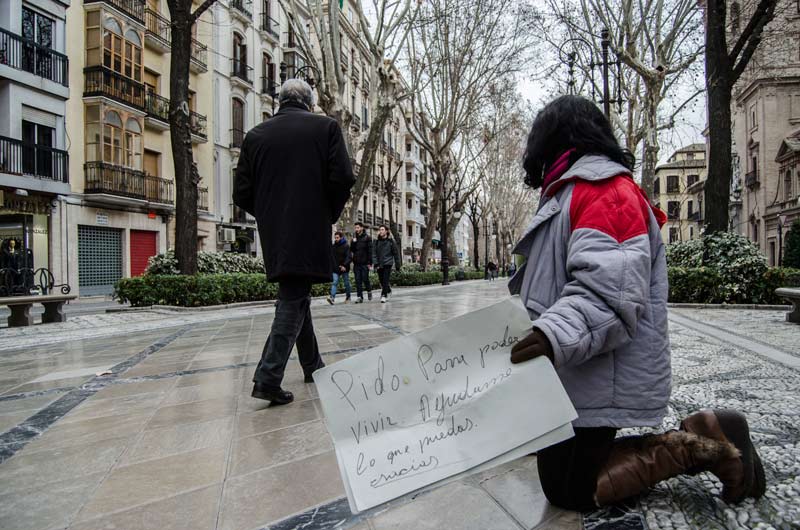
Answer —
639 462
741 476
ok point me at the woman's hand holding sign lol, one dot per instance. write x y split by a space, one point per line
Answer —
532 346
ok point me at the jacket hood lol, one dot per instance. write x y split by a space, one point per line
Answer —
591 168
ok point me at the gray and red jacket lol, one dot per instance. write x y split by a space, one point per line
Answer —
595 282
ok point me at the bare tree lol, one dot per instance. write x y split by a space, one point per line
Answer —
658 42
383 38
454 50
182 19
724 67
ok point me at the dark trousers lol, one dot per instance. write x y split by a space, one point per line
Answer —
292 325
568 470
362 278
384 273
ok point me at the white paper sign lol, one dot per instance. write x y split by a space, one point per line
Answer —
429 406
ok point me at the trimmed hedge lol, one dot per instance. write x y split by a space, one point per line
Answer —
706 285
216 289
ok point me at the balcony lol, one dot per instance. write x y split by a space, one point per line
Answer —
198 125
365 84
269 88
356 122
159 34
133 8
696 217
241 73
157 108
270 28
240 216
199 59
237 138
356 73
368 218
751 180
243 10
27 56
413 188
202 199
102 82
345 62
120 181
49 166
423 210
415 217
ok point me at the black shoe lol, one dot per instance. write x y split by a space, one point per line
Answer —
276 396
369 296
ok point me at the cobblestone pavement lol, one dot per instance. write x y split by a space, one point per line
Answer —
143 420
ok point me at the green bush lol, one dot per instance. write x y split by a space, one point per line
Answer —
705 285
791 252
738 262
207 263
216 289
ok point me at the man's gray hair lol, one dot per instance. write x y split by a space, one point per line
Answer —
298 91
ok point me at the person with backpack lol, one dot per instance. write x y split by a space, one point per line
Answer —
385 254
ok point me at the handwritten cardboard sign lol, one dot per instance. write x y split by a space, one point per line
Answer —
429 406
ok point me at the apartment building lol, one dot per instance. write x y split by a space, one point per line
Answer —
766 118
34 164
678 190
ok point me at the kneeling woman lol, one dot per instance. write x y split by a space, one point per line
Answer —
595 285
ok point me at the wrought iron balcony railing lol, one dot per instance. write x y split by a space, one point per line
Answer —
244 7
241 70
28 56
270 25
751 179
111 179
133 8
18 158
157 106
101 81
198 125
202 199
269 87
237 137
199 54
158 26
240 216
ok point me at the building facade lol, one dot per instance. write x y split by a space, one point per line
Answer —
766 118
34 163
678 191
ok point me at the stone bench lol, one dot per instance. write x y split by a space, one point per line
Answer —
20 307
793 295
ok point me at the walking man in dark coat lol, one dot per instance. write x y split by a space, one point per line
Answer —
341 266
361 249
294 176
384 255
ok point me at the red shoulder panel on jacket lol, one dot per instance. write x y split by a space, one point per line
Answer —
613 206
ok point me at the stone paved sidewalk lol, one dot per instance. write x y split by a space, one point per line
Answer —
167 437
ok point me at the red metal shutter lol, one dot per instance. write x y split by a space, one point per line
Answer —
143 245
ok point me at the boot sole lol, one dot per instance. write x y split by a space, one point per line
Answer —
271 398
735 428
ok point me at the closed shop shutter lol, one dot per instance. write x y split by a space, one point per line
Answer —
143 245
99 259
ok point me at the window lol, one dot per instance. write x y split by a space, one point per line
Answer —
691 232
151 162
692 179
755 227
673 209
772 253
409 205
673 184
37 161
268 8
37 29
689 208
239 56
113 140
673 234
787 185
657 185
409 230
237 122
122 54
736 17
753 116
268 69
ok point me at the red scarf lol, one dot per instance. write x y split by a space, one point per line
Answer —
557 169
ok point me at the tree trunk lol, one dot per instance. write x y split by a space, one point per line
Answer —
452 248
650 147
475 236
186 174
433 215
398 237
718 86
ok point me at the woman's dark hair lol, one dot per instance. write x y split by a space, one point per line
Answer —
570 122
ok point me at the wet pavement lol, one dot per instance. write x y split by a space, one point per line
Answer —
143 419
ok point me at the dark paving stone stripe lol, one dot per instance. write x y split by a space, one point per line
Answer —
335 514
35 393
16 438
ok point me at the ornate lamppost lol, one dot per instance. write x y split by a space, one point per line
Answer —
569 59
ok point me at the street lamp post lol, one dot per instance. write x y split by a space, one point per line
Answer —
781 224
569 59
276 89
485 248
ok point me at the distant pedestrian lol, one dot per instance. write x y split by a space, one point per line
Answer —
512 269
384 255
492 271
294 176
341 266
361 250
595 287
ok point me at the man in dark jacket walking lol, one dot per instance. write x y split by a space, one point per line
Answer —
293 175
384 255
361 249
341 266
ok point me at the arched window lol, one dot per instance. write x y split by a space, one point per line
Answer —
787 185
736 17
239 56
112 138
122 54
133 144
237 122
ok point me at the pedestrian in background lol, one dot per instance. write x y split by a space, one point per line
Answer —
595 287
361 250
341 266
294 176
492 271
385 254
